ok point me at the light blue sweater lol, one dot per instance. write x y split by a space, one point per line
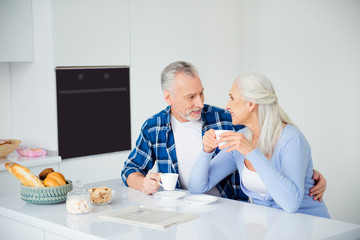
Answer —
287 177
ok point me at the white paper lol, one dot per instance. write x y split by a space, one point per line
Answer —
148 217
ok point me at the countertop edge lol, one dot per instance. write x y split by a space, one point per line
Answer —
29 161
46 225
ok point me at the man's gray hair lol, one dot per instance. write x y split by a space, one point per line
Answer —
169 72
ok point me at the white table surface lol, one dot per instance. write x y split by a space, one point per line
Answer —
223 219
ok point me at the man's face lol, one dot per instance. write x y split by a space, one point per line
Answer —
186 97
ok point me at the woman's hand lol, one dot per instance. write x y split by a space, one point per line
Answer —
236 141
209 141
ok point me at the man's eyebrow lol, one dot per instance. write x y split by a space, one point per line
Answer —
192 94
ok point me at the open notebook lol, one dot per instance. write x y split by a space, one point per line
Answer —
148 217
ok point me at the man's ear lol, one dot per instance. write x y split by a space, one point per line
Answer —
167 97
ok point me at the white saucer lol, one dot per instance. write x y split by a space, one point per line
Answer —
200 199
200 207
170 194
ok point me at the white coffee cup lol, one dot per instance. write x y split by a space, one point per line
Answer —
218 133
168 181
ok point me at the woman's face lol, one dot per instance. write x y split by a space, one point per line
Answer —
240 110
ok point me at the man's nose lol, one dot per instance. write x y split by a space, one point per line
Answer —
228 106
199 102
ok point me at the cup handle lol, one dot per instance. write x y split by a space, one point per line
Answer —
160 184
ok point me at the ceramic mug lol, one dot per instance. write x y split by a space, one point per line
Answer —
168 181
218 133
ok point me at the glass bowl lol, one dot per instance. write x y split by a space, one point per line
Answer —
101 196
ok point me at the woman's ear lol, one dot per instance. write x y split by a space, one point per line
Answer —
251 106
167 97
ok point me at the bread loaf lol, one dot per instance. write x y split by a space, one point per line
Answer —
9 166
24 175
54 179
45 172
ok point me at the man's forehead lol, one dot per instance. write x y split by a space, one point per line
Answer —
184 78
186 88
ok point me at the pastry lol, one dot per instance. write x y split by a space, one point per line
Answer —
45 172
54 179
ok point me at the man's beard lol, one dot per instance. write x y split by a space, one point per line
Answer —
189 118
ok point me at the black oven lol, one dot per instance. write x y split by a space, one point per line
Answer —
93 110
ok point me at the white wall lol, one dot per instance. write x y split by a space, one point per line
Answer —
5 101
310 50
159 35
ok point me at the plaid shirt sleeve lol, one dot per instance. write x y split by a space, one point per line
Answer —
141 159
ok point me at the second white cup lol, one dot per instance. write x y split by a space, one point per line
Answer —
168 181
218 133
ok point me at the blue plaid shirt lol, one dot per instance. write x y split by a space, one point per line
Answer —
156 145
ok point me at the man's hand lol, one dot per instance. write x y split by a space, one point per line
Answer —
150 184
320 186
147 184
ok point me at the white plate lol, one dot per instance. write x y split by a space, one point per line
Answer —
200 199
170 194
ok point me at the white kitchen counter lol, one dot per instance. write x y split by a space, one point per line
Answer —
29 161
223 219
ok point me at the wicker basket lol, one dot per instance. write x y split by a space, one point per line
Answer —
6 149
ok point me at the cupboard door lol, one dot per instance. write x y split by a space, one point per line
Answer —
11 229
91 33
16 31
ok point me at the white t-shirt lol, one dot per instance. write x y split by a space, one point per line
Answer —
188 143
252 181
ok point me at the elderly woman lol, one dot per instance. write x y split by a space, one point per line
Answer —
272 155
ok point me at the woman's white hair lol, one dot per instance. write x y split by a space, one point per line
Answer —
257 88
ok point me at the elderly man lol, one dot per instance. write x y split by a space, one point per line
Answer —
172 138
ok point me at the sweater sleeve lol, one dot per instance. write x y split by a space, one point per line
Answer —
286 187
207 172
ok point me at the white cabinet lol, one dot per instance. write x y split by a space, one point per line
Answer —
14 230
16 31
91 32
